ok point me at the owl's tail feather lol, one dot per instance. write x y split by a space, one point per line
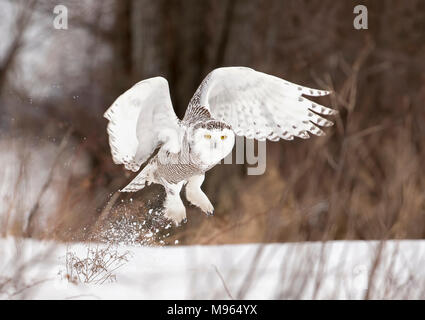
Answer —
144 177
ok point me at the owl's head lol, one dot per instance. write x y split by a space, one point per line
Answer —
212 141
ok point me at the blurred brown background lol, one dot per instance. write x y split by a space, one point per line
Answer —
364 180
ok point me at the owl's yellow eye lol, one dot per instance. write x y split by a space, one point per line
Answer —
207 136
223 137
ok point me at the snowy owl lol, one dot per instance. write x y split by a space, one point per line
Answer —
230 101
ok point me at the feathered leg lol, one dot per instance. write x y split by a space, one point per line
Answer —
196 196
174 208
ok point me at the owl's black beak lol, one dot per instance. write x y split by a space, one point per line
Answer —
215 144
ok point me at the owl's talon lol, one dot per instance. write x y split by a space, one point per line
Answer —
184 220
176 215
198 198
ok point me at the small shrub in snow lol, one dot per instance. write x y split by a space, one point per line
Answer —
97 266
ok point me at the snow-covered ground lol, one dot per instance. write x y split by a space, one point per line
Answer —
32 269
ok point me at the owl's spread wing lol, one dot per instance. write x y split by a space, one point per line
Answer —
261 106
140 120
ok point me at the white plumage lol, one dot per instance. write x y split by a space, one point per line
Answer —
261 106
139 120
233 100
